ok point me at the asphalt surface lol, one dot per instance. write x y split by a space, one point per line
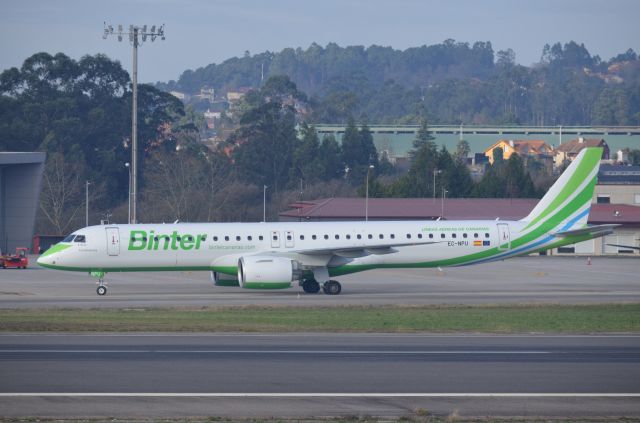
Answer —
521 280
290 376
313 375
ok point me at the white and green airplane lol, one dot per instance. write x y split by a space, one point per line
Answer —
274 255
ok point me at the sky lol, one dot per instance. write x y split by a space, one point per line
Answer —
200 32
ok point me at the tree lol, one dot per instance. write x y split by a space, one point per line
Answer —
61 197
306 163
505 58
424 137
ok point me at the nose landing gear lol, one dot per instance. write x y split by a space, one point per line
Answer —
102 288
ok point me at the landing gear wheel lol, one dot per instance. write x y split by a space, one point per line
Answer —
102 290
310 286
332 288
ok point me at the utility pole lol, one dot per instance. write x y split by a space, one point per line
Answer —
127 165
86 203
264 203
366 201
137 36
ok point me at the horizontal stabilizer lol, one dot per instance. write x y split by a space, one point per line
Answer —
630 247
594 231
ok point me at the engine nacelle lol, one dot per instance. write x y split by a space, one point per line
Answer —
265 272
222 279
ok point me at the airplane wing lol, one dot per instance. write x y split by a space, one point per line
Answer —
355 252
595 231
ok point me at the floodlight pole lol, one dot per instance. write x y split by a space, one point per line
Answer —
134 33
134 130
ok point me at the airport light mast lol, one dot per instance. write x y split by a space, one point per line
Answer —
137 36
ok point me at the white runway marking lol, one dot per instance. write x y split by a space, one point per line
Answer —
319 395
298 352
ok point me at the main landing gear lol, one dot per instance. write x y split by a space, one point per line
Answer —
311 286
332 287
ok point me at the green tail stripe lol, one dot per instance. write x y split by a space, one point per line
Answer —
583 198
590 160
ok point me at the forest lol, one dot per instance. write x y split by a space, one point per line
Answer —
79 113
448 83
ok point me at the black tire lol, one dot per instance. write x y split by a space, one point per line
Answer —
102 290
310 286
332 288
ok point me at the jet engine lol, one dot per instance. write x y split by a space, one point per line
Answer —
222 279
265 272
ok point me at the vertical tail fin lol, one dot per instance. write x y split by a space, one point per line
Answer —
569 198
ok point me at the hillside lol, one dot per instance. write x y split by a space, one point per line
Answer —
448 82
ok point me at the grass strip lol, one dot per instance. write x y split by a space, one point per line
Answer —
429 318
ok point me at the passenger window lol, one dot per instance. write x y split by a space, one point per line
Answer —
249 238
313 237
486 235
381 236
215 239
408 236
359 236
79 238
260 237
226 238
301 237
348 236
288 237
475 235
238 238
370 236
420 236
275 237
453 235
337 236
430 236
69 238
326 236
441 235
393 236
464 235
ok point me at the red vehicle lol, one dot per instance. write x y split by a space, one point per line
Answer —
19 260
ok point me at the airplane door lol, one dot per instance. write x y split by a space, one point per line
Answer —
504 239
275 239
288 239
113 241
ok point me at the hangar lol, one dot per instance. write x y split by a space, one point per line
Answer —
20 179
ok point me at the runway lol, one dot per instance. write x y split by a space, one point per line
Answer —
567 280
312 375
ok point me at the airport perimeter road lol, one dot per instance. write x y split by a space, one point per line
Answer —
519 280
308 375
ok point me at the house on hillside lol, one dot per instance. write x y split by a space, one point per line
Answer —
536 149
569 151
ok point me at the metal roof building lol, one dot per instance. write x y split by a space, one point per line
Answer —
20 179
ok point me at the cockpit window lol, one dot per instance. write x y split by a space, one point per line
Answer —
69 238
80 238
